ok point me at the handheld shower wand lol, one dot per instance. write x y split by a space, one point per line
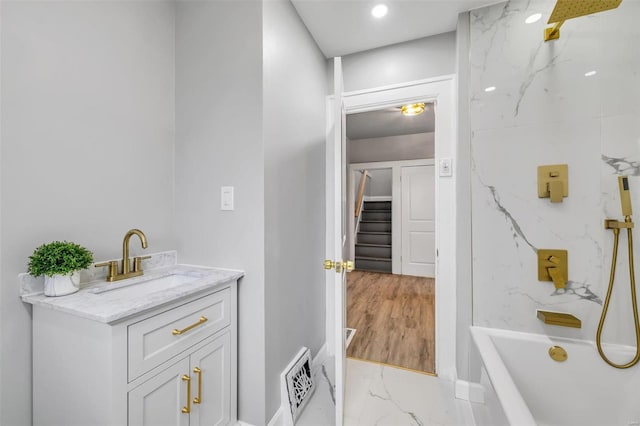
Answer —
625 196
625 202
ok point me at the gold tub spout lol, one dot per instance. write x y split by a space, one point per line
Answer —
559 318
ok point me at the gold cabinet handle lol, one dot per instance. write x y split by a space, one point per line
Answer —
187 409
198 399
201 321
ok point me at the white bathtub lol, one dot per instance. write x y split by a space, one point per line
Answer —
524 386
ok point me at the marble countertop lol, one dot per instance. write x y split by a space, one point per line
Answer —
164 281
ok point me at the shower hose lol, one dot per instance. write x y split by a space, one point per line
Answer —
616 237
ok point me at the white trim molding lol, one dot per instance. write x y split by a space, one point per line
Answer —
276 420
377 198
469 391
442 92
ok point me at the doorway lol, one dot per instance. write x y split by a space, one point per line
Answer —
391 235
441 92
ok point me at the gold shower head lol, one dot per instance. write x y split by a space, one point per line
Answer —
569 9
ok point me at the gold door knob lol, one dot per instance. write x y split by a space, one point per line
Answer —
329 264
349 265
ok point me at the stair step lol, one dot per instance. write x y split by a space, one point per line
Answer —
377 205
374 264
376 215
374 238
375 226
376 251
378 259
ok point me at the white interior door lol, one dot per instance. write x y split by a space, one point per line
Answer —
336 249
418 221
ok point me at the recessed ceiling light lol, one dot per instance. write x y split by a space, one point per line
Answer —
490 89
413 109
533 18
590 73
379 10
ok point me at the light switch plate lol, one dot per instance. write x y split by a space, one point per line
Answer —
226 198
445 167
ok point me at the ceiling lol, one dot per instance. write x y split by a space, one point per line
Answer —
389 122
341 27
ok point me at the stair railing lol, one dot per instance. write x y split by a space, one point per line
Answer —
363 182
360 202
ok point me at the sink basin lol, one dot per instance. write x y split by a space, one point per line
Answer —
150 284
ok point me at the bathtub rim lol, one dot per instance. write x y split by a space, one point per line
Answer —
513 405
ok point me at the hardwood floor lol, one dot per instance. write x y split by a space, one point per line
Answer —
394 316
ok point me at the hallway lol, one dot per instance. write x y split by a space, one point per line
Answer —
394 319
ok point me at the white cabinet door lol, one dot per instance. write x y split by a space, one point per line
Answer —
212 384
418 221
159 400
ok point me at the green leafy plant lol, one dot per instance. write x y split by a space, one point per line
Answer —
59 258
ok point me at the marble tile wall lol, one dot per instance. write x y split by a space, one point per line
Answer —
546 111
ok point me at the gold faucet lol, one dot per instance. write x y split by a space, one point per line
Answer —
113 274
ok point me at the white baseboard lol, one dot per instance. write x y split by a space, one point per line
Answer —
322 354
277 419
469 391
241 423
377 198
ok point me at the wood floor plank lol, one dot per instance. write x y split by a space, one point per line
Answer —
394 316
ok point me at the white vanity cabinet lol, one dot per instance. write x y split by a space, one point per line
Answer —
174 364
192 392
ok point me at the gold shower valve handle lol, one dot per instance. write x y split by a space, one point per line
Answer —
553 266
556 276
553 182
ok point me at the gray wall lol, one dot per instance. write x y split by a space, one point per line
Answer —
87 129
218 69
391 148
294 146
414 60
380 184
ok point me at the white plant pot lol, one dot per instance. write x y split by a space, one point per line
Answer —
60 285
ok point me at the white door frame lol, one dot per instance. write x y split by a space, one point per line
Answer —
441 91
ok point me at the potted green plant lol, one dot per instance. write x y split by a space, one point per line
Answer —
60 262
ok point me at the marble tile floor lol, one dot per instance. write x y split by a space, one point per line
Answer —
382 395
